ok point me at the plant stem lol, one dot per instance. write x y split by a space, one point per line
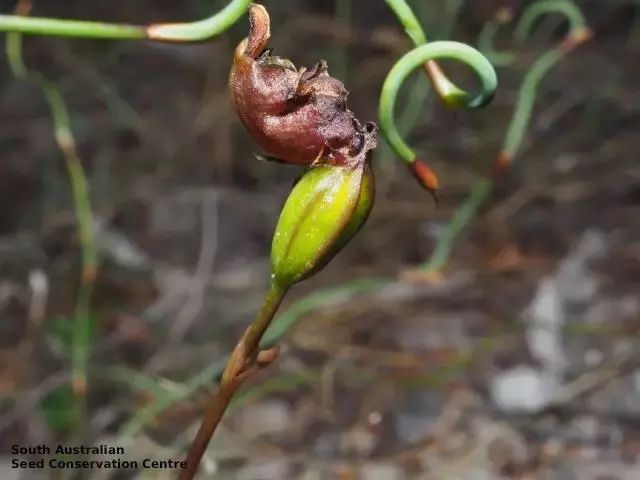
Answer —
244 360
169 32
279 327
69 28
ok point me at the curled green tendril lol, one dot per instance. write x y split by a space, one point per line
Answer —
568 9
449 92
528 90
414 59
174 32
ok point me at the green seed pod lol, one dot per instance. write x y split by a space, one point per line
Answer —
325 209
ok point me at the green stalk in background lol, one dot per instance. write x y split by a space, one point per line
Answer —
487 36
578 33
167 32
81 341
566 8
340 66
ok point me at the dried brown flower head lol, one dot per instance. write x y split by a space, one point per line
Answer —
296 116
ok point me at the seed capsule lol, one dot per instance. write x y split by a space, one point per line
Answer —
325 209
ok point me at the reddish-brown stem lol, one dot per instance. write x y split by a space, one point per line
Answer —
425 177
218 405
575 39
245 360
438 79
501 164
433 71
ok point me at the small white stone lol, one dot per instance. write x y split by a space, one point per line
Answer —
266 418
312 474
565 163
269 469
381 471
523 389
593 358
546 319
375 418
359 440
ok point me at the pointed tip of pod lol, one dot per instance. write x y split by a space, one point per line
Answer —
425 177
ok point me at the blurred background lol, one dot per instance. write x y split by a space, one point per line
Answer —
518 359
